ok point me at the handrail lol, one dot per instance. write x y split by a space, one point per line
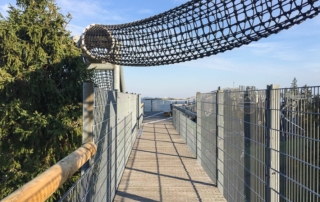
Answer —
142 104
189 113
44 185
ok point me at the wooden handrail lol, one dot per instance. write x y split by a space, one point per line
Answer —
45 184
141 105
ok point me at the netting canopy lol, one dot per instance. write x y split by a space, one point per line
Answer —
194 30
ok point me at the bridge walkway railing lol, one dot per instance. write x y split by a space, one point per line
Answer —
257 145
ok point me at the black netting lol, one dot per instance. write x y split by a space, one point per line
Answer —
194 30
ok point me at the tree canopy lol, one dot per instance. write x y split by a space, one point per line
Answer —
41 76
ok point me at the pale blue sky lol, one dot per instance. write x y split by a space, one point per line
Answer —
275 60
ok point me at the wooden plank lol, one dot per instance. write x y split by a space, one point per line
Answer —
44 185
162 168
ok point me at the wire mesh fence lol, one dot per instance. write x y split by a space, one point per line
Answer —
186 128
103 79
116 120
298 152
243 156
206 133
259 145
158 104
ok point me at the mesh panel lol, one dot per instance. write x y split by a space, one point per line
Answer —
103 79
114 132
258 145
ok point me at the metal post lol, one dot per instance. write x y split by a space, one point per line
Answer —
139 111
122 82
220 140
186 119
87 116
198 133
124 141
116 78
247 128
273 141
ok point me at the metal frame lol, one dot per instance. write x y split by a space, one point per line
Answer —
263 144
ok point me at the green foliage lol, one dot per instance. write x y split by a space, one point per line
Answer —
41 76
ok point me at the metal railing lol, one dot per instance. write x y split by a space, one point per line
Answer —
110 123
161 104
117 117
182 121
258 145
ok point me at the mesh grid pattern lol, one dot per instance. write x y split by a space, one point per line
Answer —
186 128
196 29
103 79
116 121
259 145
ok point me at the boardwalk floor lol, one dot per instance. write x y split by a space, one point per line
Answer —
162 168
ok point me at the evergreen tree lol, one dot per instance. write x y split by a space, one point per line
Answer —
294 85
41 76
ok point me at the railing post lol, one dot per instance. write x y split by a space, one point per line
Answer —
116 78
139 110
186 119
220 139
198 132
87 116
121 111
273 143
122 81
124 140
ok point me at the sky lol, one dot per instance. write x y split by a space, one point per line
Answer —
274 60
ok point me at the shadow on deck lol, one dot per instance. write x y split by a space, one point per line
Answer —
162 168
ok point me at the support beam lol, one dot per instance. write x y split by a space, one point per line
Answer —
220 140
116 77
101 66
122 82
274 141
87 112
87 117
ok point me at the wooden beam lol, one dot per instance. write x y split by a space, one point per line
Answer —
101 66
44 185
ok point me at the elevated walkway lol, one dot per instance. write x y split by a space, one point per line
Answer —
162 168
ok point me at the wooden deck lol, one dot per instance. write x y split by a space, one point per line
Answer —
162 168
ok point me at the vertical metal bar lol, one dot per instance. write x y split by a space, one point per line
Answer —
267 136
220 140
118 115
87 116
87 112
116 79
138 111
122 82
198 105
125 140
247 145
273 143
267 142
186 129
196 134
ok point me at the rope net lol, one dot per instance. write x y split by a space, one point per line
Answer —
194 30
